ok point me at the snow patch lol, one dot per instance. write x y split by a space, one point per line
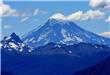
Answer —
21 50
10 49
8 38
21 44
26 41
66 35
30 50
70 51
78 39
95 46
101 47
103 40
31 39
13 45
57 45
43 35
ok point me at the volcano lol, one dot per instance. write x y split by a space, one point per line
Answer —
62 31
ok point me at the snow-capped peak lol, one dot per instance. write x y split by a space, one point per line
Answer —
58 16
60 30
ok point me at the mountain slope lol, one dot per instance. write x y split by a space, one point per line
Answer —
51 59
54 59
14 43
78 50
102 68
63 32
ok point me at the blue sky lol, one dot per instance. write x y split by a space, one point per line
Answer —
36 13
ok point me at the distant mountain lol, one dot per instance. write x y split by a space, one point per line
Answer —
61 32
14 43
102 68
78 50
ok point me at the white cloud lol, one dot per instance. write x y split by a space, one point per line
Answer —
6 26
96 3
108 20
59 16
80 15
105 34
6 10
75 16
1 1
103 4
43 12
38 11
92 14
24 19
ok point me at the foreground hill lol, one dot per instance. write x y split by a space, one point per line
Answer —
102 68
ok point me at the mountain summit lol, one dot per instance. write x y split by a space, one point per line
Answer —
59 16
63 32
